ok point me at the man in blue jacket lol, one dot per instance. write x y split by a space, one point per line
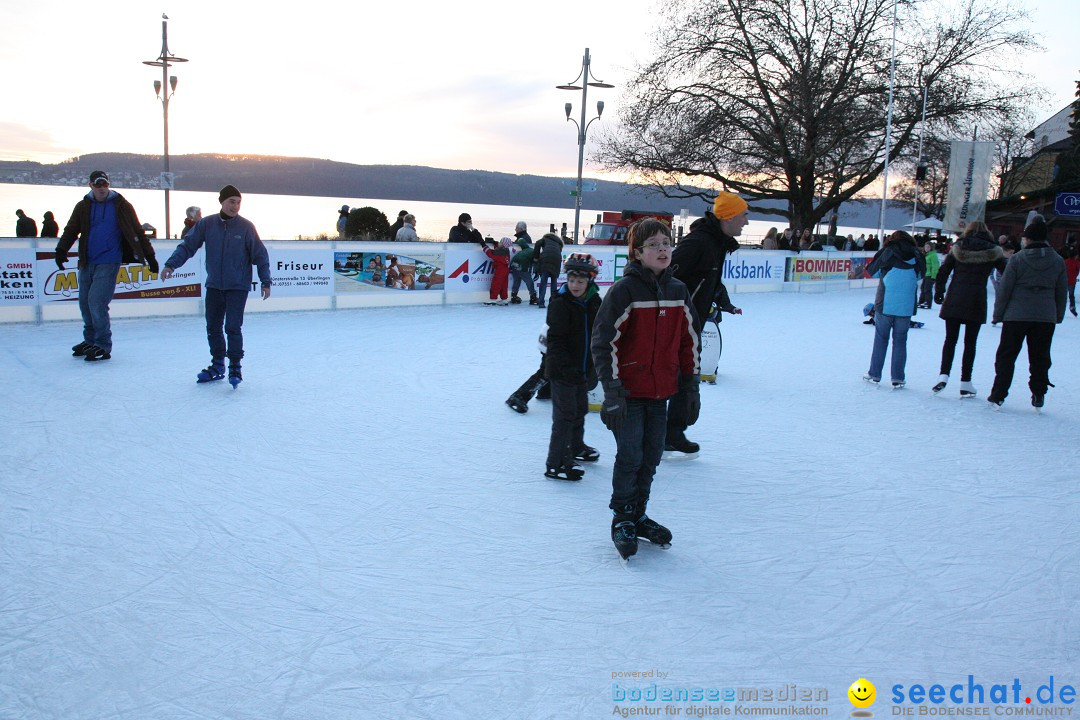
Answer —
109 235
232 247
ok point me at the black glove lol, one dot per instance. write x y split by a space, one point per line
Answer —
61 258
690 385
152 263
613 409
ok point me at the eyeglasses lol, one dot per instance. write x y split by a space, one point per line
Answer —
657 245
101 183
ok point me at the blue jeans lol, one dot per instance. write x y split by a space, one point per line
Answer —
522 276
97 283
639 447
225 308
544 278
898 326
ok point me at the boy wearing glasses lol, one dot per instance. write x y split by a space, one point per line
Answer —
644 348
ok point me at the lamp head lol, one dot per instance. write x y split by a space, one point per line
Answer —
172 82
568 107
157 88
599 108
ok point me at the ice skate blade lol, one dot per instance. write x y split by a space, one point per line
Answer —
679 455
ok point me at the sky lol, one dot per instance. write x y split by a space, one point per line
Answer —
464 85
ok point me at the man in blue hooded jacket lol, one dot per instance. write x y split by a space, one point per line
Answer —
232 247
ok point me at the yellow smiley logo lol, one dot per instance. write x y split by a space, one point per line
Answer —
862 693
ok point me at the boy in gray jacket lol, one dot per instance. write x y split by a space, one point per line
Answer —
232 247
1030 302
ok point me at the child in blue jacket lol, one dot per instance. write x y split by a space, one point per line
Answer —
900 266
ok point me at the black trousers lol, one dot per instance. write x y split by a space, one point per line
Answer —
569 404
948 350
1038 335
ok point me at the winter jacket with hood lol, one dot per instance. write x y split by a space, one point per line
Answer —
970 263
549 260
1033 287
900 266
134 247
232 247
570 322
698 262
644 335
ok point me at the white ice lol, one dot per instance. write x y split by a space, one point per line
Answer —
363 529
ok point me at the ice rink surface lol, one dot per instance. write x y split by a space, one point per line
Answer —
363 529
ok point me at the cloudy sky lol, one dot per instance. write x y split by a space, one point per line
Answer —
467 84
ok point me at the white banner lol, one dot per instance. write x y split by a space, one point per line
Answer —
969 179
17 277
299 273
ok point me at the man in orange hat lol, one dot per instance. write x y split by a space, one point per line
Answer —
698 261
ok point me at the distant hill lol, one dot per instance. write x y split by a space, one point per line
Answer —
275 175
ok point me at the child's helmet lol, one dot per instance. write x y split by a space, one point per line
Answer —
581 264
868 308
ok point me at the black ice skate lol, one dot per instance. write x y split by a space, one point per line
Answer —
623 532
587 454
564 473
677 442
517 404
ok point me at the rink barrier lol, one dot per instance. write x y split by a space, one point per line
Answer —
341 275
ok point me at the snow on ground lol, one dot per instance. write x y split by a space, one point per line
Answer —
363 529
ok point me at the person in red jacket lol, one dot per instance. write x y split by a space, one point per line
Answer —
1072 270
500 262
645 349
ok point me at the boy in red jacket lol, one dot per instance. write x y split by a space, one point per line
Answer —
645 350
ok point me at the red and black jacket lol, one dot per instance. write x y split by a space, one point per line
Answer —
644 335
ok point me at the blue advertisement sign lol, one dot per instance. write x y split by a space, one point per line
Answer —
1067 204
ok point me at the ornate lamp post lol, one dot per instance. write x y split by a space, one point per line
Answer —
583 128
165 88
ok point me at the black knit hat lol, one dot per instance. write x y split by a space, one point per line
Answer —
1036 231
464 218
227 192
98 175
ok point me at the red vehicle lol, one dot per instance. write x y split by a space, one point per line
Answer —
610 227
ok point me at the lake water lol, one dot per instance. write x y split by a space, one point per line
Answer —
289 217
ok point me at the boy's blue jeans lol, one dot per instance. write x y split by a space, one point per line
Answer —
639 447
225 308
97 283
897 326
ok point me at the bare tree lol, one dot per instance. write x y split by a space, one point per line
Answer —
933 181
786 99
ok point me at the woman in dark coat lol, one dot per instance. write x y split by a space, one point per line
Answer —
972 258
49 226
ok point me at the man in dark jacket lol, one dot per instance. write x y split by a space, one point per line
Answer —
398 224
698 261
464 232
547 257
25 226
1031 300
109 233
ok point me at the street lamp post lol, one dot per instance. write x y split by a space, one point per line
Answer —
165 89
583 128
